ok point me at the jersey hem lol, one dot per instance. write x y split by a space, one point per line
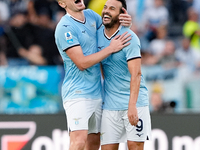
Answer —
81 99
119 109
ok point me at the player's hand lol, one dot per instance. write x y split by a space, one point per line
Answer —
125 18
133 115
120 41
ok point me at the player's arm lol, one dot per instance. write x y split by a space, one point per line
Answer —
125 19
134 67
84 62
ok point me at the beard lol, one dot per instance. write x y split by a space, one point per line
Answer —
113 21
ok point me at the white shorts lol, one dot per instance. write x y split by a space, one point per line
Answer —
115 126
83 114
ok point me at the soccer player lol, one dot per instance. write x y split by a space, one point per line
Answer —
126 116
75 37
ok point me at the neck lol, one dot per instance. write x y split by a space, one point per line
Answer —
110 31
79 15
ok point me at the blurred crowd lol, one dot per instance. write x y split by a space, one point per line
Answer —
169 31
27 32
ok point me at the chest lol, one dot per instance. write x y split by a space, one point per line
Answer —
87 33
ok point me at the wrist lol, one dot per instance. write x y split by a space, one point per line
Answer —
110 49
132 103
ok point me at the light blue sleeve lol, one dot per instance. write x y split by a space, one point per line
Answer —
67 37
133 50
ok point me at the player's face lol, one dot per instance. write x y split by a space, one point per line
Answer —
72 5
111 13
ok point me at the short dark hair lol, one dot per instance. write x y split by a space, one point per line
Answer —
123 3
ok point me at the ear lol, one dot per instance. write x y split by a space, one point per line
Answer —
62 4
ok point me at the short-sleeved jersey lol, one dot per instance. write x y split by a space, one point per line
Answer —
71 32
116 73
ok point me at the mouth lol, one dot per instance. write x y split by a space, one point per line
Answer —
77 1
106 17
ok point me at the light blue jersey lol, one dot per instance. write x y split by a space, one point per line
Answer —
116 74
69 33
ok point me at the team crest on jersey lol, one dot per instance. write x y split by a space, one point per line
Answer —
69 38
93 24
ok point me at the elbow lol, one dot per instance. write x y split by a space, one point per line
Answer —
139 73
81 67
138 76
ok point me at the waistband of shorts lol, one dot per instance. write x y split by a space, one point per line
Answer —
82 99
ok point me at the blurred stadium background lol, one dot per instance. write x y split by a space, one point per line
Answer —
31 72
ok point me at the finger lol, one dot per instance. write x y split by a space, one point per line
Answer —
126 44
132 120
126 41
124 16
133 123
123 35
125 24
125 21
125 12
116 37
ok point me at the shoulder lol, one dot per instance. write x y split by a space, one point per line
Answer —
100 30
90 12
63 20
64 25
126 29
133 35
135 41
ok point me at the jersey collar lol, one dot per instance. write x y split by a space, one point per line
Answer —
76 19
109 38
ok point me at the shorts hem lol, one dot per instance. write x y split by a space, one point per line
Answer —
107 143
137 140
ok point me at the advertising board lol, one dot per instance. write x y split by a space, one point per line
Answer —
49 132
